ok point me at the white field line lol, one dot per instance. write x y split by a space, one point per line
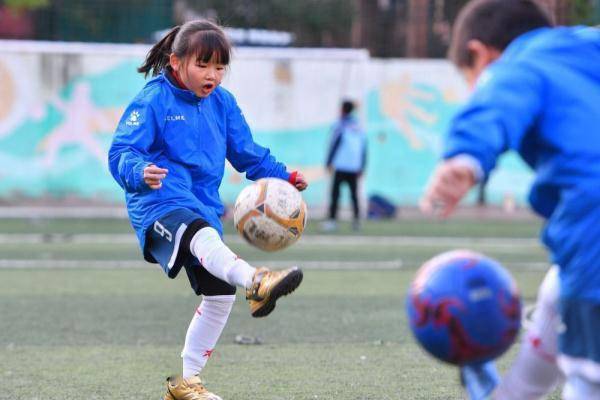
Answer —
43 212
94 264
307 265
312 240
416 241
69 264
83 238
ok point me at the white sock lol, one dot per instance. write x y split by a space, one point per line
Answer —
204 332
216 257
535 373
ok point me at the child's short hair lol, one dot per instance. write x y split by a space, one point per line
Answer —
201 39
347 107
495 23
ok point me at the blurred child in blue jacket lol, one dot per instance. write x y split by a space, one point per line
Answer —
346 159
168 154
537 92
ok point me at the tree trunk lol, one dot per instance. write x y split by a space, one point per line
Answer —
417 28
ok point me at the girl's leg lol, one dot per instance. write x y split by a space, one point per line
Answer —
263 286
219 260
204 332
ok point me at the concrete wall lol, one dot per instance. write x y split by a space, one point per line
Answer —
59 104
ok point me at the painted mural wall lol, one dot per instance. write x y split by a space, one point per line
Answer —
60 103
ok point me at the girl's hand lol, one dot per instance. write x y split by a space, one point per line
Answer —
154 175
298 180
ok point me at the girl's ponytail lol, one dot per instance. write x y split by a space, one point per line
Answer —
158 56
201 39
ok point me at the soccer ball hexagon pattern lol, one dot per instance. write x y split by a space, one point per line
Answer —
270 214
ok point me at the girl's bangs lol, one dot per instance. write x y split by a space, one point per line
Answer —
211 45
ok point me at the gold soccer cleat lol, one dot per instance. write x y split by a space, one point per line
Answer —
188 389
268 286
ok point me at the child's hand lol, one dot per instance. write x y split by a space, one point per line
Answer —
298 180
449 183
154 175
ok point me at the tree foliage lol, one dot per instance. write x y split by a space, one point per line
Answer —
585 12
314 22
26 4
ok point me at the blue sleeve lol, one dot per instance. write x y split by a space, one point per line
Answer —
129 151
244 154
505 105
336 140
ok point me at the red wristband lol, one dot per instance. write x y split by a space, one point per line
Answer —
293 177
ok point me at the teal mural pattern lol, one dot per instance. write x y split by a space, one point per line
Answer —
57 149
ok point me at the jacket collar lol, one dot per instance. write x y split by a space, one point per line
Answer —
521 41
350 118
184 94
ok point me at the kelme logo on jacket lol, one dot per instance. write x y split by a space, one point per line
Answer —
134 119
175 118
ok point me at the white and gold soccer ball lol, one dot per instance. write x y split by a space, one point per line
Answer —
270 214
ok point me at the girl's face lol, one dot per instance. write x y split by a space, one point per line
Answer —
200 77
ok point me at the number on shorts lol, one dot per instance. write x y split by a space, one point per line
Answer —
162 231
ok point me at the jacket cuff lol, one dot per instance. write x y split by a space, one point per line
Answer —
138 176
470 162
292 177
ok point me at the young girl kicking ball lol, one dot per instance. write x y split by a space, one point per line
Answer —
168 154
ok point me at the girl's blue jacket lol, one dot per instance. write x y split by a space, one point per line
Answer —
191 137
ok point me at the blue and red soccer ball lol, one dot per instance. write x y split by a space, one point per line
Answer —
464 307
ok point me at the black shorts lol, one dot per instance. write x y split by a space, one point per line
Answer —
168 244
